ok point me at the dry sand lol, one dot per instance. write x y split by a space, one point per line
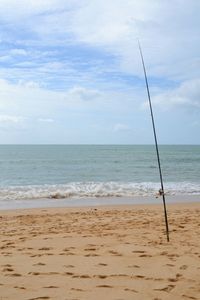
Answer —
100 253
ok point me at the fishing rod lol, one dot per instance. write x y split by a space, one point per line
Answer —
161 191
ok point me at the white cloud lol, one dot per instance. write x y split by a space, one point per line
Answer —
4 58
27 99
73 60
186 95
10 119
170 38
27 8
170 42
31 100
121 127
29 84
81 93
19 52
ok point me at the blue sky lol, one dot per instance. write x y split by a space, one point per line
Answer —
70 71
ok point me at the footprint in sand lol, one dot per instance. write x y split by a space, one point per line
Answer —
8 269
14 275
69 273
7 265
172 279
34 273
101 276
68 249
102 264
51 287
91 254
45 248
66 253
183 267
43 273
119 275
130 290
22 239
104 286
173 255
139 276
85 276
77 290
189 297
133 266
6 253
40 298
115 253
164 253
39 264
166 289
90 249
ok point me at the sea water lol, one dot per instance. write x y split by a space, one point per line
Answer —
41 175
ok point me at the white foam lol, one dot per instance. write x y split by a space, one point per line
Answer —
95 189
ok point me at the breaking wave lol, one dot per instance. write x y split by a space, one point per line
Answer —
95 189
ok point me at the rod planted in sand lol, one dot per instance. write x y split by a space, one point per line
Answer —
161 191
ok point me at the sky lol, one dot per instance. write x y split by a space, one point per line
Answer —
71 72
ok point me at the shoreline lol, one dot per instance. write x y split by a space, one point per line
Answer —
102 207
94 202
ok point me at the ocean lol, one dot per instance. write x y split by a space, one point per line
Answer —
56 175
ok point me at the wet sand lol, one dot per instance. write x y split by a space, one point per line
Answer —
112 252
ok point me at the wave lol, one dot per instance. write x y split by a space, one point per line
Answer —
96 189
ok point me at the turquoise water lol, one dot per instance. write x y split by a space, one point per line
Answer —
80 171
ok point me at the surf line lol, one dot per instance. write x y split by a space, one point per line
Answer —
161 191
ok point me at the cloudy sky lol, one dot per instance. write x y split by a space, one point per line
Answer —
70 71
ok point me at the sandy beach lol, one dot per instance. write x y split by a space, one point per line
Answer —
113 252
